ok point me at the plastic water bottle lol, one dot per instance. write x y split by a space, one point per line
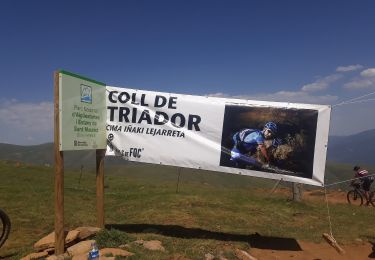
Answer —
94 252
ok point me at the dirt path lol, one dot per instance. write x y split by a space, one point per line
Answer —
334 197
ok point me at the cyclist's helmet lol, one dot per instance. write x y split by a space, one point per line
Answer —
356 168
272 127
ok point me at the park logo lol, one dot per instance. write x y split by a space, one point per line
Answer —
86 94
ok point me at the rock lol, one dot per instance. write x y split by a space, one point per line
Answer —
153 245
243 255
209 256
107 258
58 257
139 242
49 240
125 246
80 257
35 256
82 247
114 252
85 232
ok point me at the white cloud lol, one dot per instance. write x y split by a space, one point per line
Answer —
349 68
368 72
26 123
284 96
365 80
359 83
321 84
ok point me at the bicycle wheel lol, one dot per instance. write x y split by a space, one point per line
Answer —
354 198
372 198
4 227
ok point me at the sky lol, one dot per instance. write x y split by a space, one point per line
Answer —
319 52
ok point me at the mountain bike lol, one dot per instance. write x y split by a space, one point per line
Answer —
356 196
4 227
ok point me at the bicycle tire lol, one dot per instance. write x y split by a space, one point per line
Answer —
372 198
354 198
5 227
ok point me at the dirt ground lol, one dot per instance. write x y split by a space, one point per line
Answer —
313 251
321 251
334 197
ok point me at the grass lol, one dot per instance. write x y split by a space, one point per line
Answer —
211 212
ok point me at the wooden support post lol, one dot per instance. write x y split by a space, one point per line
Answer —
297 191
330 240
59 175
100 153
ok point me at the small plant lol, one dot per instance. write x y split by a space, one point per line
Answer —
111 238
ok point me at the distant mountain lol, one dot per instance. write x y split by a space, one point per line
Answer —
353 149
34 154
43 154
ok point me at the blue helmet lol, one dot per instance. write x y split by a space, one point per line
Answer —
272 127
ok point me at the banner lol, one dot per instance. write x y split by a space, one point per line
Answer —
264 139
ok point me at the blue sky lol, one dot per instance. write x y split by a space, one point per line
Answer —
301 51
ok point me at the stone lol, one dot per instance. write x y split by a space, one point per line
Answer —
58 257
49 240
86 232
114 252
80 257
209 256
35 256
82 247
139 242
154 245
243 255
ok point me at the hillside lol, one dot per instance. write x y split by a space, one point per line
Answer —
209 212
353 149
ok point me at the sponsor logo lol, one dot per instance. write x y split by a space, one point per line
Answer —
86 94
80 143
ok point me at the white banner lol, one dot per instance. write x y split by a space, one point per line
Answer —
256 138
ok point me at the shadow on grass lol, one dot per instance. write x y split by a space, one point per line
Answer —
8 256
254 240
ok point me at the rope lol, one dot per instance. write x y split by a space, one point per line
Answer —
355 100
339 182
329 215
275 186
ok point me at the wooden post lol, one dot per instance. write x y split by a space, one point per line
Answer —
100 153
297 191
59 175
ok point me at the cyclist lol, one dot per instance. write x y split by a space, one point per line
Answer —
246 143
365 181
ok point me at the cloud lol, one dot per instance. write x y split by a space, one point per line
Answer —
359 83
321 84
368 73
365 80
26 123
349 68
284 96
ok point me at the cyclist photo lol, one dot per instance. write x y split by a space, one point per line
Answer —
277 140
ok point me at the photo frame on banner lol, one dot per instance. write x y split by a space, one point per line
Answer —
290 149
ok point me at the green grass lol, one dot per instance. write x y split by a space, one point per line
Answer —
211 213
